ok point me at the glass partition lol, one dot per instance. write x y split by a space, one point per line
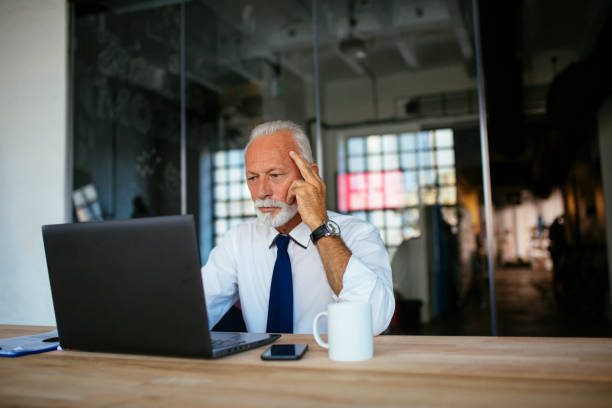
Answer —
126 110
166 92
398 86
246 62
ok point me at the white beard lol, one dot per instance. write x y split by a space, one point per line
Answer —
286 212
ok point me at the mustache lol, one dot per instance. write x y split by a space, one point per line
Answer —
268 202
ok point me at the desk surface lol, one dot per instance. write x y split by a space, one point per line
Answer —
405 371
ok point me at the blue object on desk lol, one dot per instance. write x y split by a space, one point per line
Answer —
35 343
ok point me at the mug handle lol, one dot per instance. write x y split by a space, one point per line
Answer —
315 330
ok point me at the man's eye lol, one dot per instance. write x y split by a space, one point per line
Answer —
275 175
251 178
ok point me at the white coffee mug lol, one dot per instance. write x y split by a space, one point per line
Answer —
349 327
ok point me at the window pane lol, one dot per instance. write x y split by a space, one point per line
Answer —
427 177
221 210
426 158
378 218
394 236
235 157
235 191
393 219
411 224
355 146
390 143
444 138
236 174
220 227
375 163
374 144
219 159
235 208
220 176
424 140
447 176
358 200
245 191
428 195
360 214
356 164
409 160
448 195
391 162
410 180
408 141
375 199
411 198
411 215
445 157
221 192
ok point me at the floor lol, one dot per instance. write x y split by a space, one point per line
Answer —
526 306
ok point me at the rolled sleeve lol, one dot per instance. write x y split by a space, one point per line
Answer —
367 277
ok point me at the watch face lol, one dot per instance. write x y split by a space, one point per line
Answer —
333 227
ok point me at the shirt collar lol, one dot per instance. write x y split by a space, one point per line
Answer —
300 234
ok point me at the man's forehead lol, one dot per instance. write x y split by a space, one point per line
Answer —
266 160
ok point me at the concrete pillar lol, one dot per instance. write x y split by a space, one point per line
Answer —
33 151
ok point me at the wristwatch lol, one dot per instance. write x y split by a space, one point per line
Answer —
328 228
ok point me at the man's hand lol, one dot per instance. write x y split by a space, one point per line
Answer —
310 196
309 193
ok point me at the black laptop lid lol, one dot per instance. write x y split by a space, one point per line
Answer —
128 286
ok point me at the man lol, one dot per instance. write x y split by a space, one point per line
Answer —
296 257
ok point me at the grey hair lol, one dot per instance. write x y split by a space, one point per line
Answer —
296 130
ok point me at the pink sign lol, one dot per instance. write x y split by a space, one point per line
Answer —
370 190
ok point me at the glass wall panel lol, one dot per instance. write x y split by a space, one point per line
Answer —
401 139
545 94
402 150
126 110
246 62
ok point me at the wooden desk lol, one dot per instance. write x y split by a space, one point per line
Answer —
405 371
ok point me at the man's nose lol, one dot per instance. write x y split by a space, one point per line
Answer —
263 189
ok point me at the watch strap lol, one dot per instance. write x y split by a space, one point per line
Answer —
323 231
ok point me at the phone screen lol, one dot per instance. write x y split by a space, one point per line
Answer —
285 352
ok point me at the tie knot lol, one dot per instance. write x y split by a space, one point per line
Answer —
282 242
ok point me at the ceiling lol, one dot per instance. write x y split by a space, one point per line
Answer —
226 40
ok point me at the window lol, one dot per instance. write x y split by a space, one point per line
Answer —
389 176
231 200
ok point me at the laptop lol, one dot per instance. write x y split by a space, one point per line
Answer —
134 286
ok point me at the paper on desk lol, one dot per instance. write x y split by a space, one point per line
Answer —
35 343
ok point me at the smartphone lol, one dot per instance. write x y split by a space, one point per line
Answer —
284 352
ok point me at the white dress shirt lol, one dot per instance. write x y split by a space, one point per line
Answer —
241 266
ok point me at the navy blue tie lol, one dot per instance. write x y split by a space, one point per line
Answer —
280 307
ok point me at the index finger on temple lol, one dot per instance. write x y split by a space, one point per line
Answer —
302 164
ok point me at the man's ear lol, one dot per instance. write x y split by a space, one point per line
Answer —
315 166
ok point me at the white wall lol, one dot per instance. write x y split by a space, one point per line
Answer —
358 92
33 79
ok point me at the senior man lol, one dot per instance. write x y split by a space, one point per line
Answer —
296 257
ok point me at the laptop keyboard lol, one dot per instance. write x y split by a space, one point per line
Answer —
226 340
